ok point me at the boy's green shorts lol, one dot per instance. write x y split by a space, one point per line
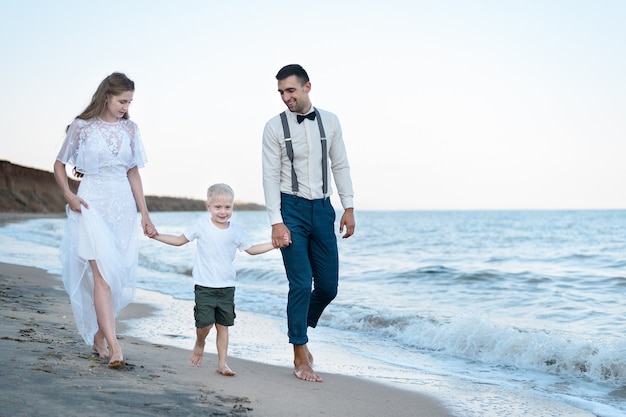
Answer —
214 305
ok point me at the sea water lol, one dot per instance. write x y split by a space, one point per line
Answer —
493 312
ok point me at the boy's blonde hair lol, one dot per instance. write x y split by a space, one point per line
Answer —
220 191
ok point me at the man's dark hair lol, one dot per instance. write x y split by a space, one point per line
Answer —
293 69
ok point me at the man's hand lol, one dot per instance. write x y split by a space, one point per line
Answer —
281 237
347 221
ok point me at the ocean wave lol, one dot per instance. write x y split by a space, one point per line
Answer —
478 339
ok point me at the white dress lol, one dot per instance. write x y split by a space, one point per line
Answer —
107 232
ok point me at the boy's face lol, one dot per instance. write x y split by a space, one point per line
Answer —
221 210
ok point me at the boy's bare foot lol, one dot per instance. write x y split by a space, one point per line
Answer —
196 353
226 371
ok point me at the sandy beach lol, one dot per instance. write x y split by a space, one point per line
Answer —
47 370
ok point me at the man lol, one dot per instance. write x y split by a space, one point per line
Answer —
297 147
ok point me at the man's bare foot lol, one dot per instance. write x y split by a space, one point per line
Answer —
196 353
306 373
99 345
302 364
308 354
226 371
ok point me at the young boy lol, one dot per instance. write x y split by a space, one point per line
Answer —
213 271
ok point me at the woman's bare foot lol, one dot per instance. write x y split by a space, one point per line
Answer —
196 353
99 345
225 370
117 359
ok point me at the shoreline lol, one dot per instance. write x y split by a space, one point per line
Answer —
42 353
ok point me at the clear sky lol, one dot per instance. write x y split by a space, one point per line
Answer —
444 104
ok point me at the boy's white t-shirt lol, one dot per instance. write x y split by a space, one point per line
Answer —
215 252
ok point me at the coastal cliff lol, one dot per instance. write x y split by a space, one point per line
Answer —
30 190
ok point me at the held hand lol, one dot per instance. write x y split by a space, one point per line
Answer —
150 231
286 242
281 237
148 228
347 221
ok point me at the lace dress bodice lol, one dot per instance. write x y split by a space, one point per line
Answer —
94 146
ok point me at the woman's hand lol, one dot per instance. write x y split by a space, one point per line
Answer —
148 228
75 202
150 231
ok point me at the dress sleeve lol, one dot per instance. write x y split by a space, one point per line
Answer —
139 157
68 154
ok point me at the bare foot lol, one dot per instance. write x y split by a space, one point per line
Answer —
308 355
99 345
302 364
306 373
196 353
101 350
117 360
226 371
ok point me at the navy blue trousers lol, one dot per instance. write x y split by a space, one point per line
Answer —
311 262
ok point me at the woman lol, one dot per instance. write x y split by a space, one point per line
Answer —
99 248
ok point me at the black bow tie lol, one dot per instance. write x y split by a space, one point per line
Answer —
310 116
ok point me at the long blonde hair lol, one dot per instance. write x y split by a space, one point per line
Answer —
115 84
